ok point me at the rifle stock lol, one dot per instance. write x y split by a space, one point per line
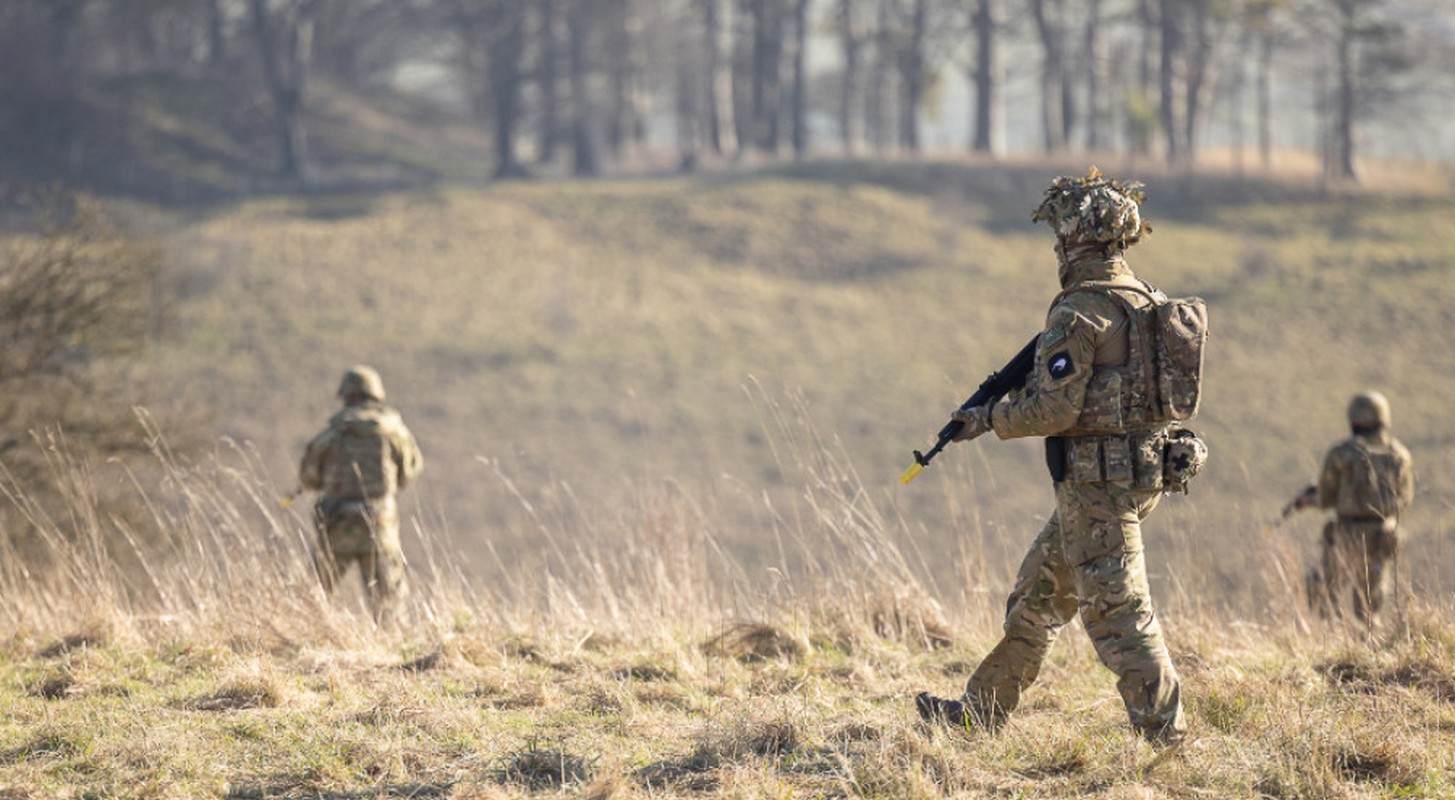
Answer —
997 385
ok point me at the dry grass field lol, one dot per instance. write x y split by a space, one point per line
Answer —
659 548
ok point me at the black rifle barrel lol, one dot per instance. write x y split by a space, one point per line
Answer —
999 384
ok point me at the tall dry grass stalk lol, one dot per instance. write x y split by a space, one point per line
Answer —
218 556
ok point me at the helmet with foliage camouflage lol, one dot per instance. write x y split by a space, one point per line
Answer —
362 381
1094 208
1369 410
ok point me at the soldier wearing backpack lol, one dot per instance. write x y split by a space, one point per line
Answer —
1368 481
1116 363
357 464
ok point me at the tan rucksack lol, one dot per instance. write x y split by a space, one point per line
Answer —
1166 344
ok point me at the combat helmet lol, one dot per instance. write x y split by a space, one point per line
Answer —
1369 410
362 381
1094 208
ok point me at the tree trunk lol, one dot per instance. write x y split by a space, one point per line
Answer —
1343 132
216 38
1263 84
986 78
285 45
800 79
849 37
690 81
585 158
767 79
876 99
1053 87
507 45
912 77
622 118
550 125
1167 78
719 105
1091 46
1199 65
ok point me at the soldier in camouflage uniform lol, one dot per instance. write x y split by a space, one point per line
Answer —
357 464
1108 473
1368 481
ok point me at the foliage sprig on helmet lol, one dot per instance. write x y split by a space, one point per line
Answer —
1094 208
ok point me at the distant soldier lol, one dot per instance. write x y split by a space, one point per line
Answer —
1098 394
1368 481
357 464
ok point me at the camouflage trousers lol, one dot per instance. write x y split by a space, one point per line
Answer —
1087 559
366 532
1357 556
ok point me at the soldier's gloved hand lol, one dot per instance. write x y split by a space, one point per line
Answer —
977 422
1308 498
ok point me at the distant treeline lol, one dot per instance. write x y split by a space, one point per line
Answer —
576 84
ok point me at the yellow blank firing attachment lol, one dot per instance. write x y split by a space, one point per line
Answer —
911 473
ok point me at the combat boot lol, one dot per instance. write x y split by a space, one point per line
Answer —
940 711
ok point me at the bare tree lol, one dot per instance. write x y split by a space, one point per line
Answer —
913 71
623 115
719 103
985 77
1168 17
493 35
283 31
852 39
547 61
1057 102
800 79
1092 74
767 79
582 26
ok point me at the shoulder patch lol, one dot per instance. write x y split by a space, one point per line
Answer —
1059 365
1056 334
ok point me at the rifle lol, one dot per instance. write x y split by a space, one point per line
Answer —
998 385
1304 499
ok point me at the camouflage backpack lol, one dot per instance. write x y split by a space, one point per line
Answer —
1372 480
1165 354
360 463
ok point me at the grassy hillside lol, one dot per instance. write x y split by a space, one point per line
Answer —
660 548
599 343
644 667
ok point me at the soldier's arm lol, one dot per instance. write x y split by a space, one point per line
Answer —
1406 479
1329 479
310 472
407 458
1064 356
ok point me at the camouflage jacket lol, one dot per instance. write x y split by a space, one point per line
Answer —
365 453
1367 477
1083 375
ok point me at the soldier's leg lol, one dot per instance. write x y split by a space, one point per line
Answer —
324 562
1378 552
1348 568
1101 531
1335 568
1041 603
384 581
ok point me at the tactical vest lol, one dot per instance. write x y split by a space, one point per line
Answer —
1161 381
360 463
1369 486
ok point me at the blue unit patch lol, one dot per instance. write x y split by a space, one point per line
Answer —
1060 365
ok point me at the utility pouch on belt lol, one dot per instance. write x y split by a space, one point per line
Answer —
1135 458
1056 457
1094 459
